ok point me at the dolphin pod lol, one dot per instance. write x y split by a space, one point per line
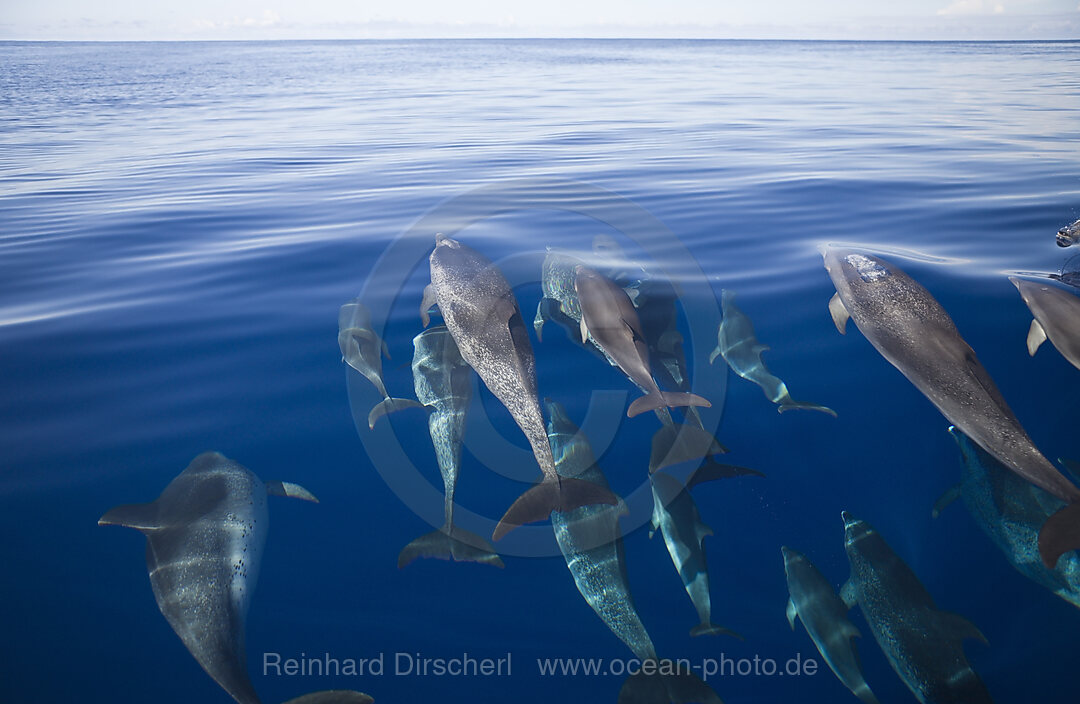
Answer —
205 535
361 348
441 379
609 318
907 325
739 346
1056 317
1010 511
485 321
922 643
824 616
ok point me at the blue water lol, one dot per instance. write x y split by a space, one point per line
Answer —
182 221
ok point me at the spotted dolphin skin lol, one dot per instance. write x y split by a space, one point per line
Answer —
204 541
443 384
362 350
923 644
913 332
740 348
1056 317
1010 511
824 616
483 317
608 317
1069 235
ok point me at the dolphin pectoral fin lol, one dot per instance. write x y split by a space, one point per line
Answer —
713 470
848 595
1060 534
1072 467
557 494
538 321
426 304
137 516
385 349
669 399
1036 336
960 628
711 629
714 354
293 491
584 330
390 405
839 313
457 544
792 613
951 494
673 444
791 404
333 696
659 687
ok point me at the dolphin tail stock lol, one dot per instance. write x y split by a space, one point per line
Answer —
673 444
333 696
790 404
711 629
669 399
1060 534
713 470
290 490
666 683
451 543
552 494
390 405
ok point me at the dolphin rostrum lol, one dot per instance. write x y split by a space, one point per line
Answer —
204 541
609 317
824 616
1056 316
739 346
923 644
913 332
483 317
442 382
361 348
1010 511
676 516
1069 235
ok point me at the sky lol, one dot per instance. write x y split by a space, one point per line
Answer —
350 19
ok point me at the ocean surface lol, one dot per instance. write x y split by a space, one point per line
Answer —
180 223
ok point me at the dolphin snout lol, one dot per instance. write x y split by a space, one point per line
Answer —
848 519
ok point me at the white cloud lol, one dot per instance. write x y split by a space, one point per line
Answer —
973 7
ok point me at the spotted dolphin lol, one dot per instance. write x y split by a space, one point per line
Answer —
483 317
923 644
443 384
608 317
204 540
1069 235
676 516
360 349
824 616
1010 511
740 348
1056 317
904 322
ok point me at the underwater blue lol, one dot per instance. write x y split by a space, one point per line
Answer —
180 222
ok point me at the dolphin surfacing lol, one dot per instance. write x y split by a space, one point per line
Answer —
1056 317
204 540
910 329
482 314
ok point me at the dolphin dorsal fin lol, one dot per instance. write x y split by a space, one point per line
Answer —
142 517
1036 336
792 612
839 313
293 491
958 627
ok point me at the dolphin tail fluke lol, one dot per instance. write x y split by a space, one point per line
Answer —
560 494
137 516
1060 534
457 545
667 684
333 696
390 405
793 405
711 629
865 695
713 470
668 399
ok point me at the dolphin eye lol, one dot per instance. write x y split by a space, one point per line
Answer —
867 268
